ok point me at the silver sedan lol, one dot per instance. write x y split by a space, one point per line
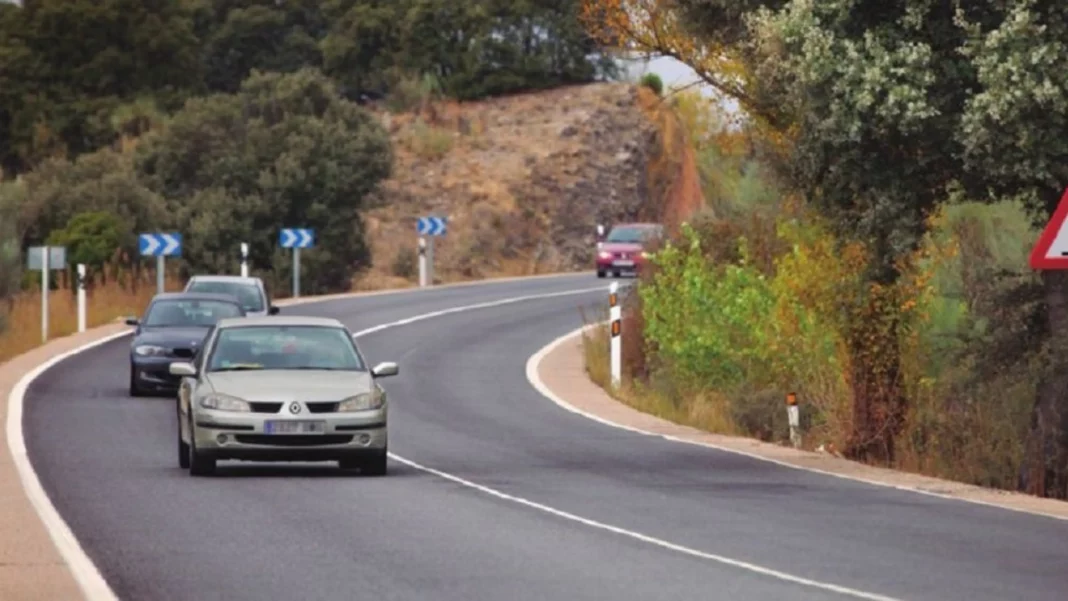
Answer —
281 389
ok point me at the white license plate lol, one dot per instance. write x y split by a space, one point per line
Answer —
623 263
294 427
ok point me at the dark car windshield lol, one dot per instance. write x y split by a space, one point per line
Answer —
188 313
247 294
630 235
284 347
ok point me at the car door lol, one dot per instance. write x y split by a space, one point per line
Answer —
187 390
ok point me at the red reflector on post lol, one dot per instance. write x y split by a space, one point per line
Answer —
791 398
616 326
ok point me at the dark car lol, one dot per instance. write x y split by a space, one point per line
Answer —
173 327
624 250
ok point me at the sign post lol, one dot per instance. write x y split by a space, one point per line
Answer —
160 245
46 259
244 259
428 228
296 238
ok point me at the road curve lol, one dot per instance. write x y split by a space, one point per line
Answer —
570 508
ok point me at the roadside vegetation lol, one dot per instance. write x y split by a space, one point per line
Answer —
227 121
865 238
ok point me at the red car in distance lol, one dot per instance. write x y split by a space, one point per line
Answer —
624 249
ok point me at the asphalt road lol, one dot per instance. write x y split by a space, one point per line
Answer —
462 406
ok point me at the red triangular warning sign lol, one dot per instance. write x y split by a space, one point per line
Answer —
1051 250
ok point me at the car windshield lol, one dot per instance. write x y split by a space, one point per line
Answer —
284 347
247 294
188 313
630 235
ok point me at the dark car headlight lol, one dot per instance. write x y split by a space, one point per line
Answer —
150 350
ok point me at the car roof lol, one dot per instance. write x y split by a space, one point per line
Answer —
279 320
215 296
237 279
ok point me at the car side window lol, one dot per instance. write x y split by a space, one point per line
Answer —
202 350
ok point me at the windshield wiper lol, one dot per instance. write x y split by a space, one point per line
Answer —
311 367
243 367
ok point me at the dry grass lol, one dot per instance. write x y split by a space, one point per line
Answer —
104 303
428 141
703 410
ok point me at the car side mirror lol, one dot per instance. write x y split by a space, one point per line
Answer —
182 369
133 321
385 369
273 310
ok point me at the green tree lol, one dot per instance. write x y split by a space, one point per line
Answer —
1013 135
103 181
91 238
284 151
65 66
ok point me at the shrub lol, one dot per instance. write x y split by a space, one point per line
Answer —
653 82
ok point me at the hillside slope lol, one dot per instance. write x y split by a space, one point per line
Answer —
524 180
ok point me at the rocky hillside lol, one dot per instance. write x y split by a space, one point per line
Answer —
525 179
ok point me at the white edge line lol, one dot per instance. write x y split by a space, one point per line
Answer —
92 583
85 573
534 362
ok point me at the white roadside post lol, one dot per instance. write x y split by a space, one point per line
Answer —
615 351
81 298
244 259
793 416
422 262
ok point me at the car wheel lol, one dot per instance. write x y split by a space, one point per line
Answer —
199 465
601 274
183 447
135 390
615 274
376 464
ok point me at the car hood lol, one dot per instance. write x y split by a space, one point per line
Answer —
183 337
621 247
290 385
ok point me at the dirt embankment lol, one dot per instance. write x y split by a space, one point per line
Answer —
525 179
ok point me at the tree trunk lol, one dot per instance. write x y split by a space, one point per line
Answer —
1046 470
875 379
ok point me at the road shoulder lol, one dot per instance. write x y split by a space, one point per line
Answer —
31 566
558 371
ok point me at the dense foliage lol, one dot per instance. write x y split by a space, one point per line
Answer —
229 119
878 116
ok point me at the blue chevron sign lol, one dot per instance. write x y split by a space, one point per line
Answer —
296 237
431 226
165 244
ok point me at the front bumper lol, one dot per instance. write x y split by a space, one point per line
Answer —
153 373
620 265
242 436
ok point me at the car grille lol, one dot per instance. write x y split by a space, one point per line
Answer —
293 440
265 407
328 407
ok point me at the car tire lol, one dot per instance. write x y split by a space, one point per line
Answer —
601 274
199 464
615 274
135 390
183 446
375 465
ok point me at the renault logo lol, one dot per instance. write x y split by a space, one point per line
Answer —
294 407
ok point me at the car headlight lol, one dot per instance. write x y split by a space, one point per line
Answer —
646 255
223 402
150 350
605 254
362 402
